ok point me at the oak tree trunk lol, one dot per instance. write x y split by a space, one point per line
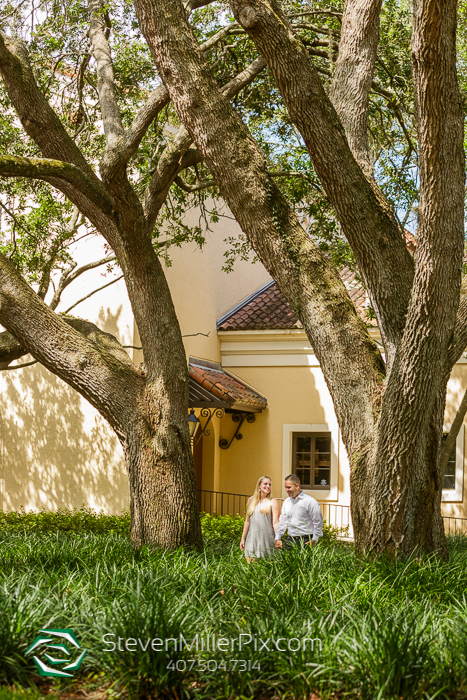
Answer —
162 481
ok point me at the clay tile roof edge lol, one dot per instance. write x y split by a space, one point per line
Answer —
222 319
218 389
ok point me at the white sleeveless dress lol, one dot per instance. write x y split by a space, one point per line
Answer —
260 538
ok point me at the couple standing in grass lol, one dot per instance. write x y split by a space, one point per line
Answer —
265 524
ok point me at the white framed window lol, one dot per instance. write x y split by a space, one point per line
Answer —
453 483
310 450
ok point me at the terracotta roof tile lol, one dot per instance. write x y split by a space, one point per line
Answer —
267 308
224 386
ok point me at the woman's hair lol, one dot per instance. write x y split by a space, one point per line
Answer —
266 502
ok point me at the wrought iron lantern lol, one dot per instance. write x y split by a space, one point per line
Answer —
193 424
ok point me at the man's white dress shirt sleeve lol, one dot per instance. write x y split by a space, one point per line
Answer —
283 522
316 518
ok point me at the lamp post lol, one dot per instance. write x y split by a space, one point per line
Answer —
193 423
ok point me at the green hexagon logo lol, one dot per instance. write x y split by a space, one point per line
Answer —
46 641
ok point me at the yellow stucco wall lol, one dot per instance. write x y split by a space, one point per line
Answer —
55 449
202 292
296 395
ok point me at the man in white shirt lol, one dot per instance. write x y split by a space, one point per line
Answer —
301 516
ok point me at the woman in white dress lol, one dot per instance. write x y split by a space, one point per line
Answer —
261 521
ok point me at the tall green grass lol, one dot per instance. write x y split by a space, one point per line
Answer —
388 630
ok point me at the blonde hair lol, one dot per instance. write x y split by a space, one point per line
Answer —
265 502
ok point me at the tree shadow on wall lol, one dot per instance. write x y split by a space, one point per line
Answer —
56 450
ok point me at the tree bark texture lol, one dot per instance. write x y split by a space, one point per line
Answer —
353 75
151 423
367 222
404 474
390 416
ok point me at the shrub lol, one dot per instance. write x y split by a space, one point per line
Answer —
227 527
215 527
65 520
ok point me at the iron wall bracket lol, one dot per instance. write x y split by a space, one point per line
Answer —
209 414
237 417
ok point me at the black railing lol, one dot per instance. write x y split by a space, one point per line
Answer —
221 503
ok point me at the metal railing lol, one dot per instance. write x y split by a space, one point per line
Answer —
221 503
338 516
455 526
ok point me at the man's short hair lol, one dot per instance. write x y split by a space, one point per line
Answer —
294 478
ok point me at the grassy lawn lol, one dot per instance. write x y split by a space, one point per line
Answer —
382 630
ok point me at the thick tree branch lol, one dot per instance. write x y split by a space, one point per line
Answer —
127 146
201 185
353 75
41 123
11 349
288 173
172 162
125 199
168 167
435 297
112 119
155 103
36 115
367 222
308 280
196 4
234 86
45 128
90 361
55 171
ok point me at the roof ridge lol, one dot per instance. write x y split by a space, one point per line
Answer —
222 319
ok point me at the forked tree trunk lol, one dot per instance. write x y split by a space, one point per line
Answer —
391 426
148 414
404 519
